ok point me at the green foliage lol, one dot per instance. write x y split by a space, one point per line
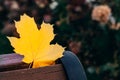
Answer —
72 21
99 42
5 46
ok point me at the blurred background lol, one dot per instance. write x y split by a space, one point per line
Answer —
89 28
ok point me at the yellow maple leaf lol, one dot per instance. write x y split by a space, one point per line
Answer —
34 44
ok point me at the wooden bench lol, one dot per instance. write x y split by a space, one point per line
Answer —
12 68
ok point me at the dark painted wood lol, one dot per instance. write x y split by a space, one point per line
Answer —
55 72
12 62
11 67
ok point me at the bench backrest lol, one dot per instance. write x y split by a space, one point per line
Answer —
20 70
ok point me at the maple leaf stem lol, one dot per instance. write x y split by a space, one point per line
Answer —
31 64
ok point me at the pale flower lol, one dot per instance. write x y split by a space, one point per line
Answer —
115 26
101 13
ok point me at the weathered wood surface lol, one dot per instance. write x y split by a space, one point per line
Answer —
11 68
11 62
55 72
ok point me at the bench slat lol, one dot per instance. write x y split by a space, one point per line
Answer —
11 68
12 62
55 72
